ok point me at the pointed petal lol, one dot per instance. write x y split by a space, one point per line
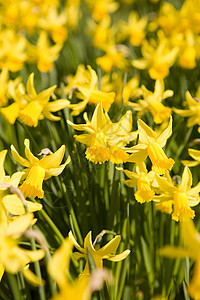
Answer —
2 159
30 86
56 171
88 243
118 257
14 205
139 153
194 154
82 127
15 179
173 252
32 278
28 153
1 271
50 116
98 118
130 182
190 163
146 134
84 138
194 191
19 225
186 181
165 186
110 247
53 160
166 134
190 239
57 105
74 242
22 161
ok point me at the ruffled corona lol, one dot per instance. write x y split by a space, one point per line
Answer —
158 158
11 112
182 210
144 192
97 154
30 114
32 186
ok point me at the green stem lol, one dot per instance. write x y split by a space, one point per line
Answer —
38 272
52 283
51 223
14 287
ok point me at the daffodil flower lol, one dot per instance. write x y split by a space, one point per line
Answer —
156 58
38 105
134 29
191 248
151 144
11 202
57 268
193 111
38 170
106 252
142 179
153 102
194 154
104 138
182 196
89 93
43 53
12 257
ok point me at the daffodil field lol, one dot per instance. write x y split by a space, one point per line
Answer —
99 149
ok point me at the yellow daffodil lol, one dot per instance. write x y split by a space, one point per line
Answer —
104 138
193 111
12 54
12 257
89 92
16 91
55 24
114 57
134 29
106 252
182 196
100 31
151 144
57 268
142 179
191 248
102 8
11 202
157 58
38 170
152 102
43 53
194 154
73 13
37 106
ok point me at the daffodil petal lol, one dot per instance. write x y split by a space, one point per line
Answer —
165 134
186 181
14 205
28 153
74 242
53 160
22 161
98 118
165 186
32 278
110 247
57 105
1 271
118 257
30 86
146 134
56 171
15 179
190 163
173 252
2 159
19 225
194 154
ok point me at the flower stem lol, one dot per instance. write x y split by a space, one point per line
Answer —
14 287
